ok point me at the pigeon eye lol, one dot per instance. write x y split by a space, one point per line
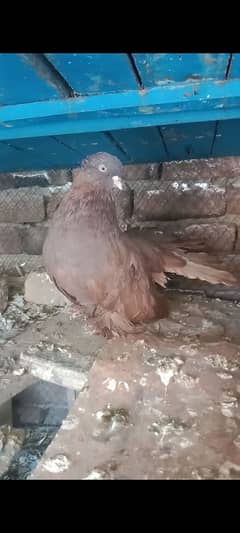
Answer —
102 168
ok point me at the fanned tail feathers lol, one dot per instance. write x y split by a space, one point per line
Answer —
193 270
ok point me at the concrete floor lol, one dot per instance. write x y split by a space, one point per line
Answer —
163 405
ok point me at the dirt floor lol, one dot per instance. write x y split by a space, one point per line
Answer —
164 405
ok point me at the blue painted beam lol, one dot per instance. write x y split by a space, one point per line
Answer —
95 73
20 82
160 69
181 103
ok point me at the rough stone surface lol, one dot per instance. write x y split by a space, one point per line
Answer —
6 181
160 405
41 178
237 244
124 204
143 172
11 385
35 179
205 169
43 393
60 177
10 239
54 345
22 205
42 404
6 413
19 180
40 289
33 238
154 410
63 349
217 237
54 196
3 293
171 200
20 263
192 327
22 238
233 196
214 237
11 441
53 202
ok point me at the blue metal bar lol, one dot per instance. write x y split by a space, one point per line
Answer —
172 104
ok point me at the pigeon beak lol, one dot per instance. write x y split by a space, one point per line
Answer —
118 183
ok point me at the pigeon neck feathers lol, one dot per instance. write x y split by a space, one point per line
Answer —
90 198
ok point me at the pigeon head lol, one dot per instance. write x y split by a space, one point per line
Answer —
107 164
105 168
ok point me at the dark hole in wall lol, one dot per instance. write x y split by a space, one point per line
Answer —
31 420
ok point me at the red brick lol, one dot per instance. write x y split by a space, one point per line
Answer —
22 205
202 168
172 200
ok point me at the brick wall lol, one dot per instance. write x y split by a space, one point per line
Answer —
198 198
27 202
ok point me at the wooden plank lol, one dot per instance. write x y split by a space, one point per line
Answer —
159 69
41 152
54 152
20 83
227 140
187 141
142 144
90 143
10 157
95 73
235 67
63 151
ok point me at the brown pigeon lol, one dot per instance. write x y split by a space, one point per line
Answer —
96 265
